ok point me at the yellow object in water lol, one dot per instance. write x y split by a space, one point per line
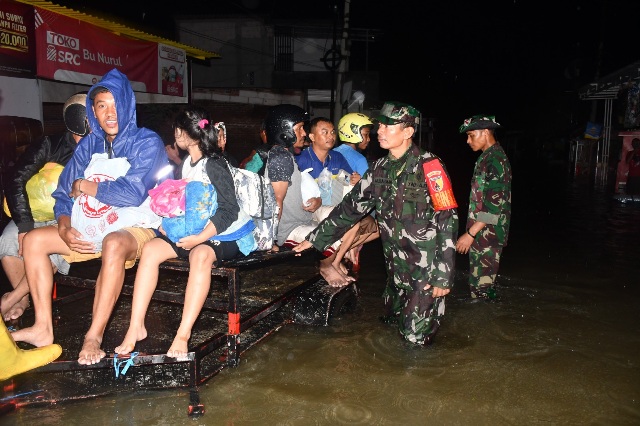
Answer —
39 190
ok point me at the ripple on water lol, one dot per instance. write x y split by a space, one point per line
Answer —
416 404
385 343
301 420
348 414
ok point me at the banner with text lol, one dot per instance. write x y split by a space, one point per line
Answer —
171 65
17 40
78 52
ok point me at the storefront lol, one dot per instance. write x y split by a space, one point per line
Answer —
60 48
623 84
49 52
623 165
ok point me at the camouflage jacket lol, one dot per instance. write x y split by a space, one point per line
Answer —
418 241
490 199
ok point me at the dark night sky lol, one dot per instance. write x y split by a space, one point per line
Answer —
520 60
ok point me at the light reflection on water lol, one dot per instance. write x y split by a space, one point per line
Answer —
560 347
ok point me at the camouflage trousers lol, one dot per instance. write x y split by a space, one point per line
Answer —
416 311
483 267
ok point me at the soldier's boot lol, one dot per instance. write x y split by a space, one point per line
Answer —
485 292
14 361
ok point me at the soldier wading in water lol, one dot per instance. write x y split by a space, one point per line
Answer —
411 193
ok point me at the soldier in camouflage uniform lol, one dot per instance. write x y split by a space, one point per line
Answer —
489 206
411 193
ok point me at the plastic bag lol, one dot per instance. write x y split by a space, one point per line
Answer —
308 186
94 219
168 198
39 190
324 183
341 185
201 204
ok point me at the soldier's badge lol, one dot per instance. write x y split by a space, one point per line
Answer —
439 186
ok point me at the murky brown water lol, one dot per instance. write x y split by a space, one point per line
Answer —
562 346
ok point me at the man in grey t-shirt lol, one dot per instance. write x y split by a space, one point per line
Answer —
284 126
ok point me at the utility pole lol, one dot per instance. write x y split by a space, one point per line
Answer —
344 64
335 55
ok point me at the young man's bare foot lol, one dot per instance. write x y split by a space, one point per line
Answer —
34 336
91 352
13 311
334 277
133 336
179 348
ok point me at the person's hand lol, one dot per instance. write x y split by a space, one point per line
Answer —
302 247
76 188
189 242
173 153
354 178
312 204
437 291
73 239
464 243
161 230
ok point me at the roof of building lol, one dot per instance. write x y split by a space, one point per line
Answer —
119 29
610 85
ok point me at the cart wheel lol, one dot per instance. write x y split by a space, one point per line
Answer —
343 303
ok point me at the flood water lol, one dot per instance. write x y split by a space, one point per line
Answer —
561 346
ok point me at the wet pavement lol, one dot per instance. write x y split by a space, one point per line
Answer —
560 346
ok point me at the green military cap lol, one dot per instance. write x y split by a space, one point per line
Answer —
398 112
478 122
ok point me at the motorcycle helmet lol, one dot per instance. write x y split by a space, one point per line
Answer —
74 113
349 127
280 121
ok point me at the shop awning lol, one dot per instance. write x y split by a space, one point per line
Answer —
609 86
120 29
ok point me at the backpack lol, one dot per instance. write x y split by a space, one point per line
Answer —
256 197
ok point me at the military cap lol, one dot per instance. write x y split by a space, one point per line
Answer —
398 112
478 122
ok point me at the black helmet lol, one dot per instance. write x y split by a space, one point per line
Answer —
74 113
280 121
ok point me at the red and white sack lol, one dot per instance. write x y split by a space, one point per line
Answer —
94 219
